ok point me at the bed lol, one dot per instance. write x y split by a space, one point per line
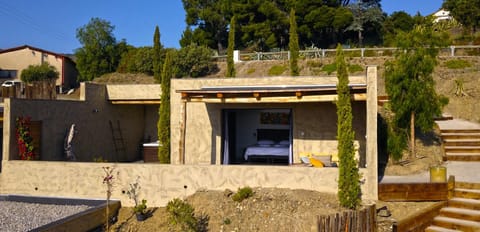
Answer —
273 146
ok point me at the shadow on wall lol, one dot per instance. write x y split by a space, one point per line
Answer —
382 132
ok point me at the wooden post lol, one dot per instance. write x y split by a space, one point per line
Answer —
450 187
181 153
412 134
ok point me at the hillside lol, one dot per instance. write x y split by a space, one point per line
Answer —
459 106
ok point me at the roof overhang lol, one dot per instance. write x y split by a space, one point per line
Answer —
270 93
136 94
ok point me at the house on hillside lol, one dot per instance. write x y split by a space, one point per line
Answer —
14 60
225 133
441 15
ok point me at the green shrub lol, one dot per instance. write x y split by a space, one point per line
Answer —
181 214
355 68
227 221
242 194
250 70
457 64
194 61
330 68
40 72
277 70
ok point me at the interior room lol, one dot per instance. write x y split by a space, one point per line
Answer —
257 136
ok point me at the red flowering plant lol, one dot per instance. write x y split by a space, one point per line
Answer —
24 138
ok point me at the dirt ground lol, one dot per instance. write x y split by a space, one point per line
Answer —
277 210
295 210
269 210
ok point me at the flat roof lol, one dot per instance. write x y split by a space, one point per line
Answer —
292 93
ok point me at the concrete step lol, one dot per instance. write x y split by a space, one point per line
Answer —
453 131
439 229
467 193
465 214
452 156
461 142
464 203
460 135
462 149
456 224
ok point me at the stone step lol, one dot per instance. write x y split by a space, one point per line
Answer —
457 224
462 142
462 149
464 203
439 229
453 131
474 156
465 214
460 135
466 193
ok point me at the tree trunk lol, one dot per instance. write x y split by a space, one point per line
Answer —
412 135
360 38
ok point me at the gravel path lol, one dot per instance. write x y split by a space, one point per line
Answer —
19 216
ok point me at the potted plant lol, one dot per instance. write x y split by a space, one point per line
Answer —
141 210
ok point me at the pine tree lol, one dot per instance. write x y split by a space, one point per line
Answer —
293 45
348 181
164 111
231 45
157 59
410 85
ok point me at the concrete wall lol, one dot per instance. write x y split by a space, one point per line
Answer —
159 183
21 59
314 124
91 117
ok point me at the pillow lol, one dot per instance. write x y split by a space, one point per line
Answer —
265 142
326 160
284 142
264 145
280 145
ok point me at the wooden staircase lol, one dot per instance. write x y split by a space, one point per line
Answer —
461 144
462 212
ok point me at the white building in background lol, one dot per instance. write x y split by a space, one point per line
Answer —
441 15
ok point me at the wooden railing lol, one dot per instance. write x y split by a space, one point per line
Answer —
452 51
363 220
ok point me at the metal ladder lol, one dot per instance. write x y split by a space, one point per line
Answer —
118 141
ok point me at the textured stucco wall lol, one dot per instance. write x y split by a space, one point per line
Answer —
159 183
314 124
134 92
91 117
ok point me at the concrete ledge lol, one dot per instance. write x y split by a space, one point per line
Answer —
159 183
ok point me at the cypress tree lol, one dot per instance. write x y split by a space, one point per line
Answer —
293 45
157 59
164 112
231 45
348 181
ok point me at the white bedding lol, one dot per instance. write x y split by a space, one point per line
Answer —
274 150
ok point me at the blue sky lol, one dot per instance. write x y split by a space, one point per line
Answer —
52 24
